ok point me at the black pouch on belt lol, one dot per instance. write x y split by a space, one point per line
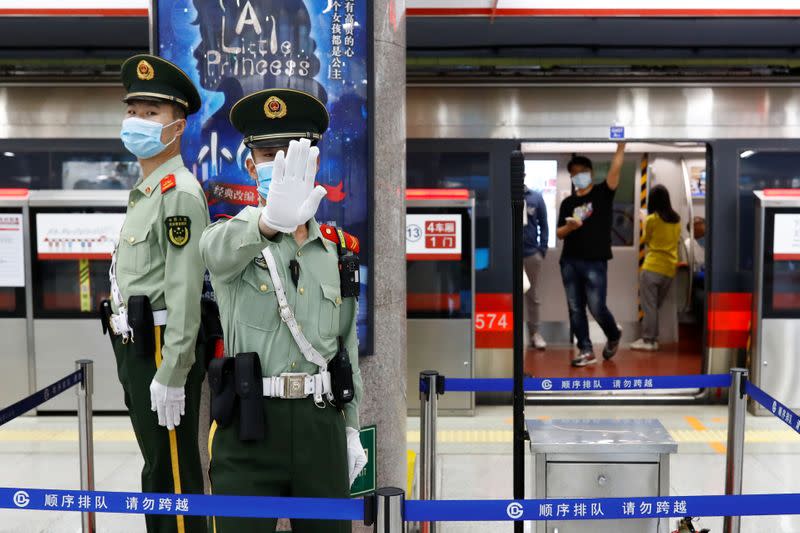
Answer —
341 376
105 316
140 319
250 389
223 390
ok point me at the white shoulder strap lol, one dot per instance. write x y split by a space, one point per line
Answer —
287 315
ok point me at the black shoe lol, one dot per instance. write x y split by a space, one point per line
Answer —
611 347
584 359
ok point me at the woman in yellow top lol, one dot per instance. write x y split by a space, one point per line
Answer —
662 232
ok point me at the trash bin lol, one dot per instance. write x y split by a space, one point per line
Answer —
600 459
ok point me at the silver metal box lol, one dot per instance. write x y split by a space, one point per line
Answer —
600 459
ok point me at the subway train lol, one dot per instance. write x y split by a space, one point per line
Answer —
710 144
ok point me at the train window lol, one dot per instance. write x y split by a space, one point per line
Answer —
758 171
24 170
541 176
95 171
69 165
457 170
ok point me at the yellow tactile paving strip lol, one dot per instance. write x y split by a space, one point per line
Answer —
456 436
64 435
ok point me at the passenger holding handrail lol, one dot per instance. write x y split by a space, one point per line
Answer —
584 223
662 232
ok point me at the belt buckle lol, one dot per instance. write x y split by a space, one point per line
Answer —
285 313
294 386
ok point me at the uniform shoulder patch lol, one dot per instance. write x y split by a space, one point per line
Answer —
331 233
168 183
178 230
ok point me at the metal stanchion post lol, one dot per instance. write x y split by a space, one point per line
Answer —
85 437
390 502
428 400
737 405
517 208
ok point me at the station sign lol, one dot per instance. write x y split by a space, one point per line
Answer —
366 480
12 255
786 245
433 237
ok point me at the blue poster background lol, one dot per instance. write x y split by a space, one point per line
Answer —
231 48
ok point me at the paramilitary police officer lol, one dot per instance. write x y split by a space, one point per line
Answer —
156 285
285 399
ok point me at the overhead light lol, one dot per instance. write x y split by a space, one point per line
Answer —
8 154
747 153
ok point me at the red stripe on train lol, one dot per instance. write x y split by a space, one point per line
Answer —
729 316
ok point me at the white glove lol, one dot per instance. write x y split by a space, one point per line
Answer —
169 403
293 200
356 458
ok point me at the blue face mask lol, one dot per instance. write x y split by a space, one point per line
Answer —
582 180
264 171
142 137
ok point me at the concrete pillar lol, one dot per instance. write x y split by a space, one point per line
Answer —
384 402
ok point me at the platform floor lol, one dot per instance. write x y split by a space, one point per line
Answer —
556 362
679 358
474 461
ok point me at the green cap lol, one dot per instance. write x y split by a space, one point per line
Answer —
148 77
274 117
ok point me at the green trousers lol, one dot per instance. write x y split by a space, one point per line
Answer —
171 458
303 454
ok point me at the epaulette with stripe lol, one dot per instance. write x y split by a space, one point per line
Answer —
332 233
168 183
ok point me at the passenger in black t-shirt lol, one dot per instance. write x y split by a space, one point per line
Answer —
584 223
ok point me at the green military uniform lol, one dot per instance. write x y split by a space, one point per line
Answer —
158 256
304 451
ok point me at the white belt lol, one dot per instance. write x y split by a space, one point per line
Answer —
293 386
118 324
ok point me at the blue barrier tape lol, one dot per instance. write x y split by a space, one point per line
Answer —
181 504
601 509
702 381
415 510
39 397
789 417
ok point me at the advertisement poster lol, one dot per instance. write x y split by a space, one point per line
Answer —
232 48
69 236
698 181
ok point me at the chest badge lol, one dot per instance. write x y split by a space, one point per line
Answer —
178 232
260 262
